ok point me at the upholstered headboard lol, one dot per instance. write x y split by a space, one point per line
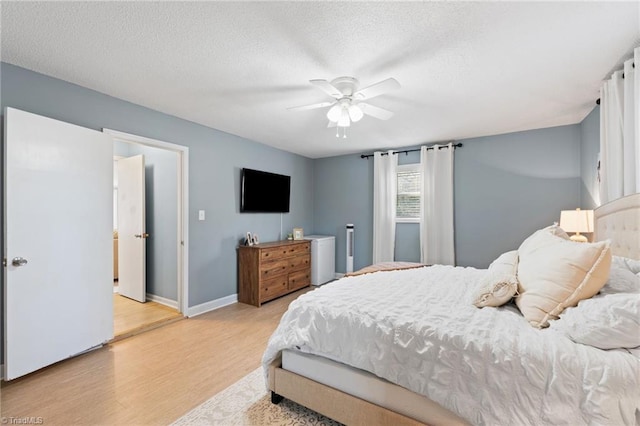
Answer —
619 221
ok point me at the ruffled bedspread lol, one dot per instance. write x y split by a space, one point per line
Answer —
417 328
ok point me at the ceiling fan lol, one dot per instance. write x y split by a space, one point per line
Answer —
348 104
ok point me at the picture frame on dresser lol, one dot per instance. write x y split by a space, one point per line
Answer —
298 234
256 240
249 239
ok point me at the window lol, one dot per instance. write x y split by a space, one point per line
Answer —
409 193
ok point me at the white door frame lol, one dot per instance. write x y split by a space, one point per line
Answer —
182 206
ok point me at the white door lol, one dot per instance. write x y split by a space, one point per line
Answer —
131 229
58 241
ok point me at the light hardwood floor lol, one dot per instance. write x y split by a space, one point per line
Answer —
131 317
152 378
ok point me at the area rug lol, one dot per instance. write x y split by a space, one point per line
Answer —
247 402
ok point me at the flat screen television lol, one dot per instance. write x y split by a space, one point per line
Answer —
264 192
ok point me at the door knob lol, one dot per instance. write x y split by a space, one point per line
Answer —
145 235
18 261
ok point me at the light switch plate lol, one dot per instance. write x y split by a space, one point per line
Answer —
200 214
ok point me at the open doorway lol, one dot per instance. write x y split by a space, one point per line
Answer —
150 285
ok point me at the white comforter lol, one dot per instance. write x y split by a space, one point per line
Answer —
418 329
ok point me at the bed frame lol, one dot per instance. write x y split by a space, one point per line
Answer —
618 221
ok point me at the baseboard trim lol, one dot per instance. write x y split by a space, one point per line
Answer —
163 301
212 305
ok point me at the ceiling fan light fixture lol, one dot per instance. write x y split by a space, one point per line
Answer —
349 103
334 113
355 113
344 120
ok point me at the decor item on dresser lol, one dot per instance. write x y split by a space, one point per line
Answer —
407 346
298 234
256 240
577 221
270 270
249 240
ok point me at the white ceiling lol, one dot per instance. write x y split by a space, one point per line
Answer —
467 69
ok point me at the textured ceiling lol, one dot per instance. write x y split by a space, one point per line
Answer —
466 69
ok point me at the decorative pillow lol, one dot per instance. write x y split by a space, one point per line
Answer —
621 281
558 232
555 273
605 322
506 262
631 265
500 284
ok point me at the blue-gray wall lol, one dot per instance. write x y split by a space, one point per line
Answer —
216 159
589 150
161 216
506 187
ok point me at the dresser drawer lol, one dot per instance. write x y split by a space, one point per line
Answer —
299 279
299 249
299 262
274 253
273 288
273 269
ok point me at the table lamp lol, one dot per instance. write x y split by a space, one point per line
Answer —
577 221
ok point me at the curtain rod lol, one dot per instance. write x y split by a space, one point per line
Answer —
633 65
455 145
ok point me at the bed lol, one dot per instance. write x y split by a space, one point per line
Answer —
408 347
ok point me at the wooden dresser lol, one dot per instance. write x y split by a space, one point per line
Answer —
270 270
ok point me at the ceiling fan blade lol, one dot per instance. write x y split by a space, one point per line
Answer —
314 106
374 111
377 89
327 87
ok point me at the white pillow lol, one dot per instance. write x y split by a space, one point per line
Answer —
506 262
605 322
631 265
621 281
500 284
555 273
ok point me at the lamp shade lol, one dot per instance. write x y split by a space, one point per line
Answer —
334 113
355 113
344 121
576 220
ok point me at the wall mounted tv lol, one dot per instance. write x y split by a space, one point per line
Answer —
264 192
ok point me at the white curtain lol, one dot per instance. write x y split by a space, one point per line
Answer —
620 133
436 216
384 206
